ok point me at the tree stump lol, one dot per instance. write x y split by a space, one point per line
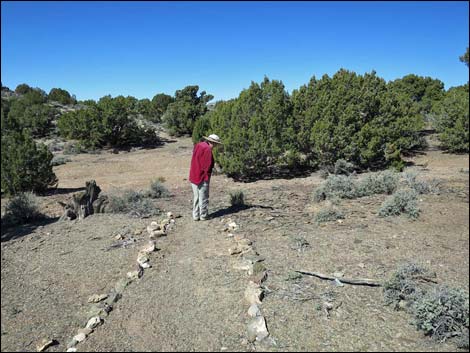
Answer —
81 204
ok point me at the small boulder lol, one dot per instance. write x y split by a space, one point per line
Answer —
256 329
93 322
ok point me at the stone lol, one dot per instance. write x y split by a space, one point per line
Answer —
253 293
94 310
142 258
259 278
170 215
232 226
253 310
338 274
133 275
137 231
119 237
72 343
86 331
258 267
238 237
150 247
79 337
95 298
44 343
71 349
93 322
245 242
153 227
256 329
113 297
243 265
122 284
234 251
157 234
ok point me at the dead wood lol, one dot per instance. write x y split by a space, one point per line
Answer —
357 281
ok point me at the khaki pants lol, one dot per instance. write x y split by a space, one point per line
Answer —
200 200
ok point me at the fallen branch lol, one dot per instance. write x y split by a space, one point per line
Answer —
358 281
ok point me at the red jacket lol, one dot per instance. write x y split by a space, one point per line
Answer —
202 163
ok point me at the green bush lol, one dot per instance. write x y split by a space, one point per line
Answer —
22 208
451 118
385 182
359 119
181 115
336 186
421 186
328 214
110 122
237 198
253 128
402 201
132 202
343 167
25 165
404 284
159 105
158 190
60 95
442 312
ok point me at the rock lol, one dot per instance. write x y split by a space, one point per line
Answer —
45 343
338 283
72 343
253 293
150 247
238 237
361 265
71 349
328 306
79 337
170 215
137 231
119 237
254 311
93 322
86 331
269 218
232 226
157 234
243 265
229 235
258 267
234 251
94 310
256 329
133 275
245 242
141 258
259 277
153 227
121 285
95 298
338 274
113 297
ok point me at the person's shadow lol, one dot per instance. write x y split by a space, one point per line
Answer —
235 209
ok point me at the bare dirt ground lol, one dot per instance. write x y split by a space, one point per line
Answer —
192 297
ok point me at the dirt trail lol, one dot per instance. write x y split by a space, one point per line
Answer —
192 298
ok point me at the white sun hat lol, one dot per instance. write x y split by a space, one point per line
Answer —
213 138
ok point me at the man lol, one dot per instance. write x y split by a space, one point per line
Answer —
202 164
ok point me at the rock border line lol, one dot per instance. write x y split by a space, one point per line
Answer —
250 262
103 303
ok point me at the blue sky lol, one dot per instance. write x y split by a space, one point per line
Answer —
143 48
